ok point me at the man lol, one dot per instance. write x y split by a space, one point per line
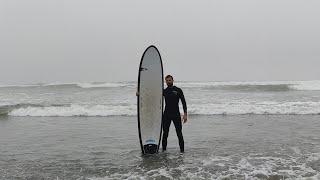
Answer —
172 94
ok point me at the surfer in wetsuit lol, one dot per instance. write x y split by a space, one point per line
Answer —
172 94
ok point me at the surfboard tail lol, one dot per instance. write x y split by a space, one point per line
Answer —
150 148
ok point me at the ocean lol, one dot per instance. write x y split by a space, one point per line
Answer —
236 130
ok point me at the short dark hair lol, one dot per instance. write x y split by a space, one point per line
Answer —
169 76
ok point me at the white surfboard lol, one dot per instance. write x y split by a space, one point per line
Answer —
150 100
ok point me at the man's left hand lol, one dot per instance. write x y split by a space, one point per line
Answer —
185 118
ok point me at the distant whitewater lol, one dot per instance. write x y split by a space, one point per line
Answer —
118 98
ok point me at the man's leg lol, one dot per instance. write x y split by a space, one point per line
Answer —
178 125
165 126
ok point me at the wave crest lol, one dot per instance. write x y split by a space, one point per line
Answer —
75 110
256 86
240 86
239 108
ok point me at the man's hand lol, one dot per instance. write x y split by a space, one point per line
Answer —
137 93
184 118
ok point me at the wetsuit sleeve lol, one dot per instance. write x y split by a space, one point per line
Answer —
184 104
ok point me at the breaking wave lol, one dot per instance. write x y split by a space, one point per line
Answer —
73 110
256 86
240 108
236 86
79 85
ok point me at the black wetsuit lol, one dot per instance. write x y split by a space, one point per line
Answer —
172 95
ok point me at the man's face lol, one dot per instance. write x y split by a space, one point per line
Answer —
169 81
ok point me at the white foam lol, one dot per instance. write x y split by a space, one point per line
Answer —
162 173
129 109
75 110
261 167
79 84
20 85
56 84
232 83
6 104
294 85
90 84
313 157
253 167
215 160
306 85
244 107
105 85
315 177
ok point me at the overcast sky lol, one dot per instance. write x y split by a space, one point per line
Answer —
103 40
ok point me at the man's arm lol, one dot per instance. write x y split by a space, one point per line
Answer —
184 105
183 100
137 92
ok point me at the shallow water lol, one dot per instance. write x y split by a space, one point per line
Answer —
217 147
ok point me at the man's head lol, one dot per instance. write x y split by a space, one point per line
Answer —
169 80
